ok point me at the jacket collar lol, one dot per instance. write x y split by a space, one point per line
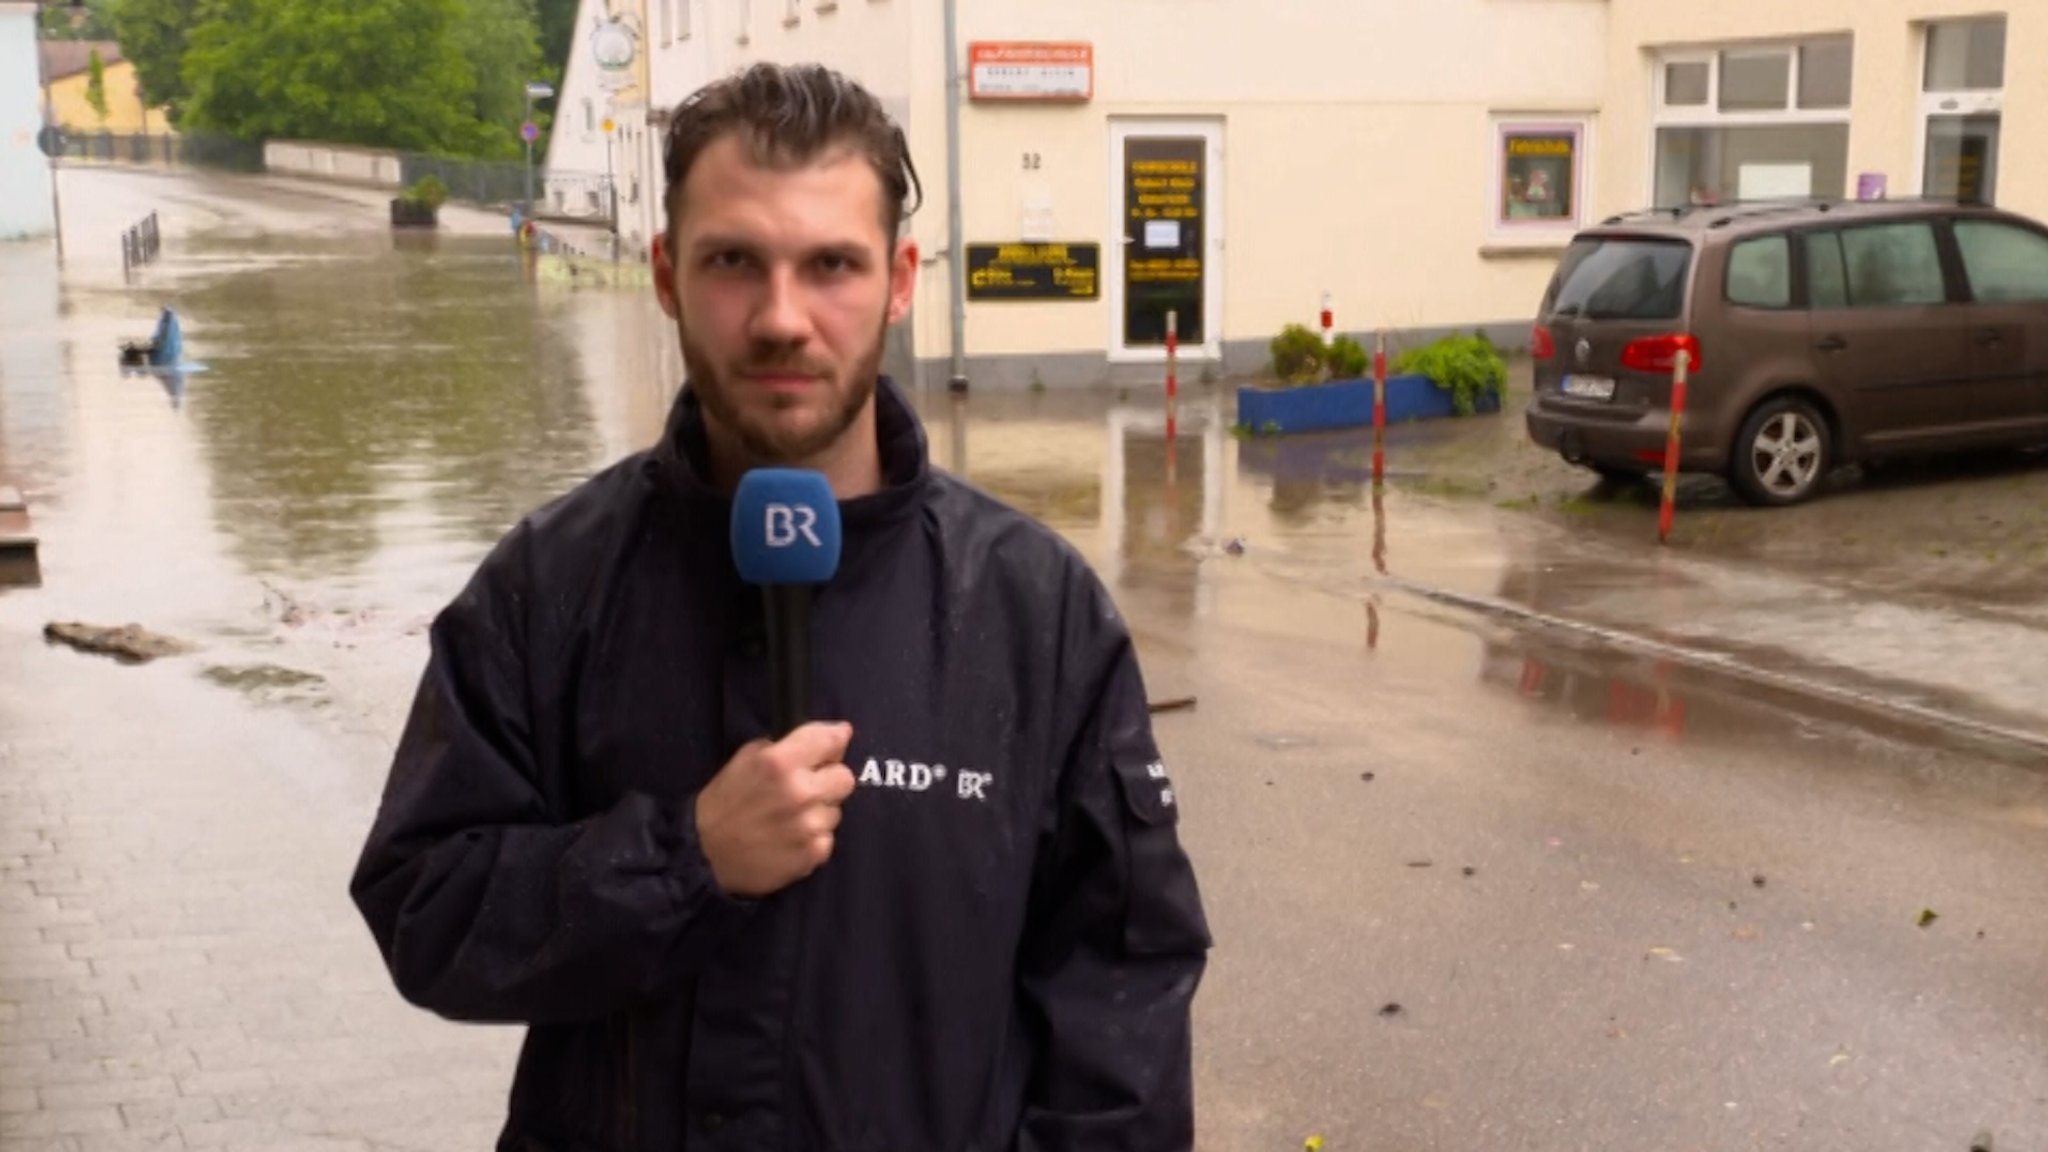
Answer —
682 459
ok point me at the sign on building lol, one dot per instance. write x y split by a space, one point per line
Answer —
1031 72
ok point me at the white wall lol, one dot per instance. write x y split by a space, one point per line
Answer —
25 206
334 162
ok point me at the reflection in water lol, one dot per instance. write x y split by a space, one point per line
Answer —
1613 691
34 358
401 384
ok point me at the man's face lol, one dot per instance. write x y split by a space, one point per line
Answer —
783 284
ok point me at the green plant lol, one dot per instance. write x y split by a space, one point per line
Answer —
96 87
428 192
1468 367
1299 356
1348 358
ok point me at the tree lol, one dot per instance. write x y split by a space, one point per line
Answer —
502 43
377 73
152 34
96 87
89 21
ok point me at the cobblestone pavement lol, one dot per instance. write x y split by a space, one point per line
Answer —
180 966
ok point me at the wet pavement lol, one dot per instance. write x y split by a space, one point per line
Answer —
1518 831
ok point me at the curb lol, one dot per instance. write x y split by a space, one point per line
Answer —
1890 707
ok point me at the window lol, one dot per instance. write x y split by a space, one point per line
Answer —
1539 170
1755 82
1962 106
1760 273
1610 279
1827 281
1826 73
1706 165
1687 84
2005 264
1966 56
1754 123
1893 265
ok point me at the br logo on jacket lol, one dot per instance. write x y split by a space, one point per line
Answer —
896 774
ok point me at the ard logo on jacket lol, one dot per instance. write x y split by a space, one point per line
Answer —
903 777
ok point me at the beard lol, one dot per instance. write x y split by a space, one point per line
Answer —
766 429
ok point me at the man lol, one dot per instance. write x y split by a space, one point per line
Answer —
955 917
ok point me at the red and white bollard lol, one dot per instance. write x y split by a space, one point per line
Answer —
1379 406
1172 375
1329 320
1668 513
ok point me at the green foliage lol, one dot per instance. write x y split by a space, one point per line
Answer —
374 73
1468 367
427 191
1348 358
89 21
96 86
501 40
1299 356
152 34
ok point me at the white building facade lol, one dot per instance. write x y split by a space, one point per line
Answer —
26 207
1409 166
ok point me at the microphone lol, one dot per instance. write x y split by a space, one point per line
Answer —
785 540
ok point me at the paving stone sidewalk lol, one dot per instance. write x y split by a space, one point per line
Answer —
180 966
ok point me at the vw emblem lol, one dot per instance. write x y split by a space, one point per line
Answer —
1584 352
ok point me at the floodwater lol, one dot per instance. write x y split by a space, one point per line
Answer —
1502 766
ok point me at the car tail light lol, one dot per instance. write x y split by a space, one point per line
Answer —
1542 345
1660 353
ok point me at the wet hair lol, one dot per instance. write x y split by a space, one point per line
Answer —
790 115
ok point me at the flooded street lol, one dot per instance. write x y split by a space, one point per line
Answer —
1517 831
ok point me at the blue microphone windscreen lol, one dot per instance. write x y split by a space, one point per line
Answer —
785 527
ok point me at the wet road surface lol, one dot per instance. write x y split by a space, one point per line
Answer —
1476 881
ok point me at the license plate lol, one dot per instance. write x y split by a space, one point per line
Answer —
1589 387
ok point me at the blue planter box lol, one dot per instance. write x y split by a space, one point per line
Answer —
1344 404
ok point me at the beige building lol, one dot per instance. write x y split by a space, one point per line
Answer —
67 67
1411 166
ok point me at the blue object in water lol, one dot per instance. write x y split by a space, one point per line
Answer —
167 347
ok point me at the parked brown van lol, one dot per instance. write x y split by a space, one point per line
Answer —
1821 333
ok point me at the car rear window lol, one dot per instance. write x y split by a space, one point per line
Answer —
1620 278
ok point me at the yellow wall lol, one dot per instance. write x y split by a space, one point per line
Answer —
1884 132
125 114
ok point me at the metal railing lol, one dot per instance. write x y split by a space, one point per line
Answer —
141 244
163 151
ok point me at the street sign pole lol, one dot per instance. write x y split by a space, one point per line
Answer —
55 135
529 132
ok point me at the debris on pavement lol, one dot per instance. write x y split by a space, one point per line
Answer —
129 643
1368 777
1235 547
1757 880
1391 1011
1981 1142
1667 955
1421 864
1928 916
1177 704
1471 871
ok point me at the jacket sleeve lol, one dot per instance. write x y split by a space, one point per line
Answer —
486 903
1118 939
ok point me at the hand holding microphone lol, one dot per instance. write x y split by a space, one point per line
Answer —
768 819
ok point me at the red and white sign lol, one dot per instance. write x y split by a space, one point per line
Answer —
1004 70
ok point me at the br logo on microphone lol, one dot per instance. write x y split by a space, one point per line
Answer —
785 528
789 523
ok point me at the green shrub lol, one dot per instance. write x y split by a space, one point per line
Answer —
1299 356
1468 367
427 191
1348 359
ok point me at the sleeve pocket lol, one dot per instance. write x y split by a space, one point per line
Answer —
1163 907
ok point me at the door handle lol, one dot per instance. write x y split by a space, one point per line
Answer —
1833 344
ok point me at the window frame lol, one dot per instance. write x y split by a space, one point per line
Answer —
1545 232
1939 104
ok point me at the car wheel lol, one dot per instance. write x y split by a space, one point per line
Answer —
1782 454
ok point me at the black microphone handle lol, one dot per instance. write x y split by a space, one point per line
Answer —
789 654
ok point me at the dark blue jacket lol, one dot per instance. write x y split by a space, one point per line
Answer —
1002 952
